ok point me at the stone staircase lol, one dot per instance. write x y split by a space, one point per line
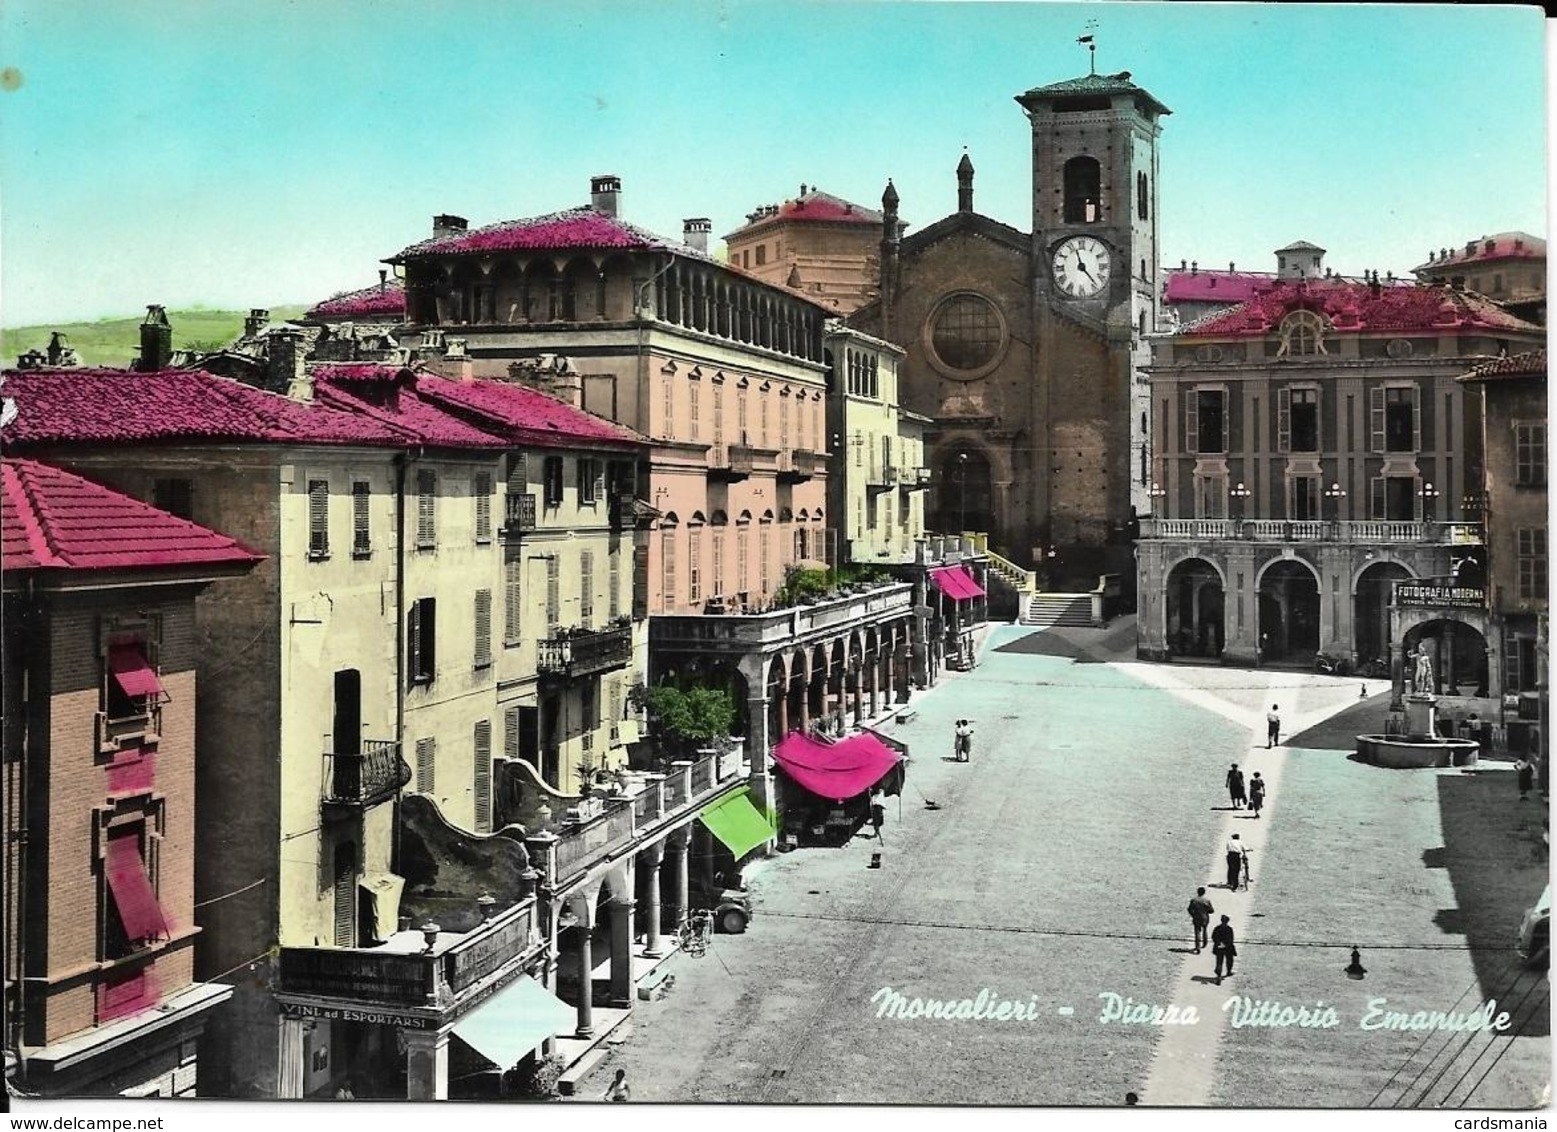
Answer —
1047 609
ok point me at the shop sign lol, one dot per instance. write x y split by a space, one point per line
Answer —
1440 596
357 1014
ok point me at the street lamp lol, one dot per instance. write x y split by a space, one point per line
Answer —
1336 492
962 492
1240 493
1428 494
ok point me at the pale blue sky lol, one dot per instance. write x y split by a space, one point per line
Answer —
269 151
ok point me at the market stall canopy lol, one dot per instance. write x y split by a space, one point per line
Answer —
956 583
840 770
738 823
520 1017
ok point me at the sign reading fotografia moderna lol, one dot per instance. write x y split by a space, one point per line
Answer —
1440 596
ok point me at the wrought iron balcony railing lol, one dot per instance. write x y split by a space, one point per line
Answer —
518 514
584 652
373 775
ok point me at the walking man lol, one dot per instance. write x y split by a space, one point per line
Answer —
1526 770
1223 947
1200 916
1272 726
1256 793
1235 862
1235 787
878 810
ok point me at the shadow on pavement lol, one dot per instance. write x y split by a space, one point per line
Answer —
1340 731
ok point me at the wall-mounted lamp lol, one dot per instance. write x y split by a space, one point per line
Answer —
1156 491
1355 969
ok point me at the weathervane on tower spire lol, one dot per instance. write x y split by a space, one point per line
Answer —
1091 47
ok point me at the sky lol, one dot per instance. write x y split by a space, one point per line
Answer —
255 153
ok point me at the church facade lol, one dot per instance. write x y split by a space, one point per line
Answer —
1026 349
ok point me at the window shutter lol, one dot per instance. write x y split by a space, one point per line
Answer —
483 628
1416 417
425 760
361 497
483 493
1192 421
1376 498
668 566
1284 420
318 517
483 769
429 637
345 895
1418 509
553 597
426 501
640 582
598 486
511 733
586 588
1376 420
581 475
513 610
518 474
614 581
414 642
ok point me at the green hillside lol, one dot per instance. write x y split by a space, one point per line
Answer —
115 341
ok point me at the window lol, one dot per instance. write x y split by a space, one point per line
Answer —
1297 420
1530 455
176 497
586 589
318 519
783 422
966 332
426 503
762 254
742 545
763 553
669 407
361 541
614 584
553 595
1210 497
1205 421
1141 208
1394 418
717 578
426 764
511 732
132 915
591 480
421 638
718 415
481 488
692 407
695 564
1532 563
552 472
481 787
1394 498
513 606
1302 335
483 628
668 565
132 688
1083 200
1305 498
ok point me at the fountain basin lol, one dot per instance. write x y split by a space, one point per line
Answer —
1404 752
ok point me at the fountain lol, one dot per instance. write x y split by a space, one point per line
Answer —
1420 745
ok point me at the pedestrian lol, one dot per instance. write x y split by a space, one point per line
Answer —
1236 861
1235 787
963 742
878 810
1526 769
1272 726
1223 947
1200 916
619 1090
1256 793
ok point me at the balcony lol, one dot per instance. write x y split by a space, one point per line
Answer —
624 508
583 652
661 800
913 479
375 774
1372 532
401 974
518 514
798 465
880 477
731 462
736 633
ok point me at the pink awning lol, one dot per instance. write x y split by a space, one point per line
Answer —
133 674
840 770
956 583
133 895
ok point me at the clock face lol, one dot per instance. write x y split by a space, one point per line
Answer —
1081 266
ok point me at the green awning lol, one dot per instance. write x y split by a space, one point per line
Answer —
518 1018
738 823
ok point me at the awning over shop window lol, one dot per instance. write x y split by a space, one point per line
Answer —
131 672
840 770
738 823
133 895
956 583
383 890
521 1016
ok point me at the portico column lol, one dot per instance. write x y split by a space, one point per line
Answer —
1450 683
620 912
676 905
586 977
293 1059
650 860
1397 675
426 1065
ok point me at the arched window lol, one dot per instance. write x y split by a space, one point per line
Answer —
965 332
1083 191
1141 191
1302 335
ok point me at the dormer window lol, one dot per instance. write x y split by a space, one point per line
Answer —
1302 335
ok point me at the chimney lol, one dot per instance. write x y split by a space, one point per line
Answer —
56 349
258 317
445 224
285 368
965 184
383 279
604 193
156 340
694 233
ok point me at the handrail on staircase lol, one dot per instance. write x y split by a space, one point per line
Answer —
1024 581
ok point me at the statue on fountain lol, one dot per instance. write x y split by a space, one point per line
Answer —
1422 682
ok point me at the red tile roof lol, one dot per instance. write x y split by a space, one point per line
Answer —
1355 307
1214 286
571 228
812 206
356 391
524 415
1502 247
1529 364
381 301
51 519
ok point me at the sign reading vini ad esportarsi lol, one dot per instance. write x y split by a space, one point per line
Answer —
1426 593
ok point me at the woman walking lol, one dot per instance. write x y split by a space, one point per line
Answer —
1256 793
